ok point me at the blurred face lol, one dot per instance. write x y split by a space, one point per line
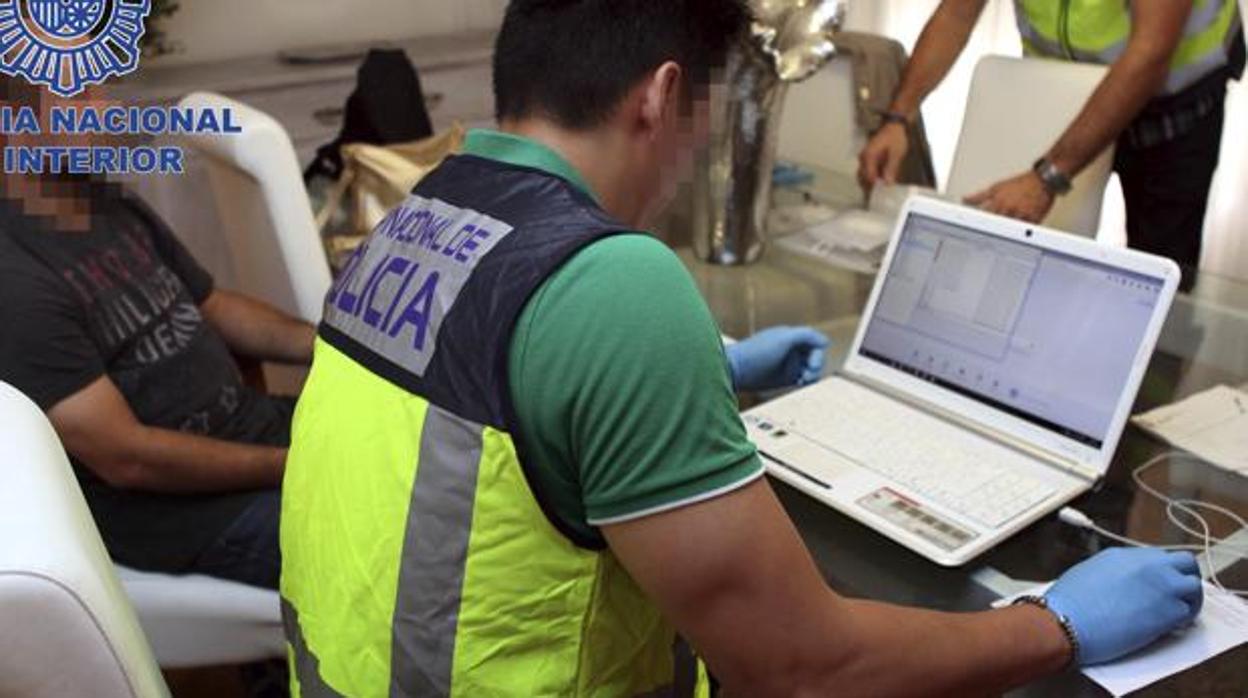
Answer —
683 129
43 102
57 195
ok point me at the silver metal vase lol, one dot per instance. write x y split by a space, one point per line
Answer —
789 41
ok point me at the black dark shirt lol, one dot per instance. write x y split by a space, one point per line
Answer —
122 300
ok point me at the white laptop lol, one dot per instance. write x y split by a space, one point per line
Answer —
988 385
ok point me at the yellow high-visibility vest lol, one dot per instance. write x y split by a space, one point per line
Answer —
417 560
1097 31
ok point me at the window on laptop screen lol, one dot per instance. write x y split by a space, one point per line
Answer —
1045 336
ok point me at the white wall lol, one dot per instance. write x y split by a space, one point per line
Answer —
215 29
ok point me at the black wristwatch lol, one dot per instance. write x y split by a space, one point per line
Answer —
1056 181
893 117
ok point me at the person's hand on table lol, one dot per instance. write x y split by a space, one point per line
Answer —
779 357
880 161
1125 599
1023 197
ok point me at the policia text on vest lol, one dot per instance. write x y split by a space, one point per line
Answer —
385 262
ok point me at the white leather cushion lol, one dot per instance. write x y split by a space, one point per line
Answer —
201 621
44 624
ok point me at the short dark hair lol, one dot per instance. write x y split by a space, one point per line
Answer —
573 61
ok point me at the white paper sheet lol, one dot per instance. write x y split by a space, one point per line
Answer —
1221 626
1212 425
813 246
860 231
853 238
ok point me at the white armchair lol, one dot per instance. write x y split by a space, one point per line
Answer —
66 626
819 125
267 221
68 621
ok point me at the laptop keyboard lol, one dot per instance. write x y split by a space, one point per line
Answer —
961 472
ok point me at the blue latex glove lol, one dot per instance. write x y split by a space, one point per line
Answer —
1125 598
780 357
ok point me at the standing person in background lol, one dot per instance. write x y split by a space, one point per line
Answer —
1162 101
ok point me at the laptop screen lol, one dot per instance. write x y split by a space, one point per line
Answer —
1044 336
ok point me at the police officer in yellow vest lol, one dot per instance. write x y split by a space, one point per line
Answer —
518 469
1162 101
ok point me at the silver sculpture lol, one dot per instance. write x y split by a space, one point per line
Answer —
789 41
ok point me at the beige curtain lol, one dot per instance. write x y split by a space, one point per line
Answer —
1226 230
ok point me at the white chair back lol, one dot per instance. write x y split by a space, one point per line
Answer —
66 626
267 218
1016 111
819 125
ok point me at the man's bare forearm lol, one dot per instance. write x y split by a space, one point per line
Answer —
258 330
864 648
904 652
162 460
99 429
1133 80
1126 89
787 634
938 48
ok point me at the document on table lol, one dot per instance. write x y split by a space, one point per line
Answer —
853 238
1212 425
833 243
1221 626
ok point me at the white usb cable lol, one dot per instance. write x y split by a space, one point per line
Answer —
1175 508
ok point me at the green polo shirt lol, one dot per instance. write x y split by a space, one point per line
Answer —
618 376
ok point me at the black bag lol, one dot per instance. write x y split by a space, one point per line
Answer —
388 106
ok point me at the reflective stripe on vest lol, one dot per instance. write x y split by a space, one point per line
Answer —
305 670
417 561
435 553
1097 31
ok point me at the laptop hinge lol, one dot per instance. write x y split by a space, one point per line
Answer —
1062 462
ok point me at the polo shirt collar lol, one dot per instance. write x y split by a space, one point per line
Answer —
523 152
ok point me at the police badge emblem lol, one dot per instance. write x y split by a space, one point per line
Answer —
70 44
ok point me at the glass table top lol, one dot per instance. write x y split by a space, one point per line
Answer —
1204 344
